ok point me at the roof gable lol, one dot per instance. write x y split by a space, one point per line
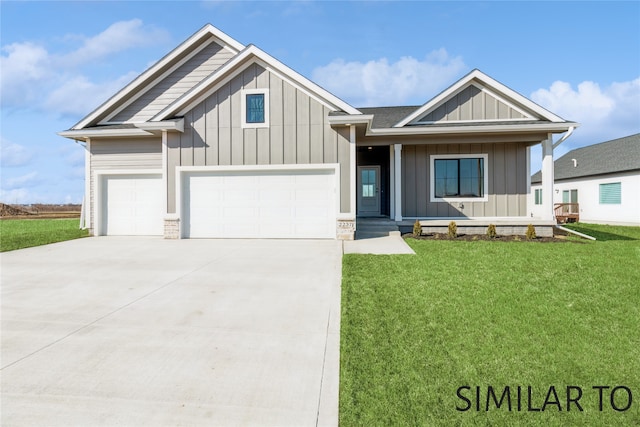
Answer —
207 37
477 98
236 65
617 155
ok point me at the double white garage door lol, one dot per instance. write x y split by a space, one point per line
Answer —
297 203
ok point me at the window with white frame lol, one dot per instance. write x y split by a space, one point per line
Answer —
538 196
459 177
255 108
611 194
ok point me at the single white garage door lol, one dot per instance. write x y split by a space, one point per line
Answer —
132 205
260 204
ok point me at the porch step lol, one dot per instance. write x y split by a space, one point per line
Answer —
370 228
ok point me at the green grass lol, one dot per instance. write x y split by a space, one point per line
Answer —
25 233
415 328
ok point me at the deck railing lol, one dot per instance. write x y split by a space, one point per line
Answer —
567 212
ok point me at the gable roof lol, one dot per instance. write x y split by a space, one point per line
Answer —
249 55
617 155
527 108
159 69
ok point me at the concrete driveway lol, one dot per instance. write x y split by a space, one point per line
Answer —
146 331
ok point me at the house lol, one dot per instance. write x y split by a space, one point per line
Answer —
218 139
598 184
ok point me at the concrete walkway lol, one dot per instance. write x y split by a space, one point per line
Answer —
378 236
151 332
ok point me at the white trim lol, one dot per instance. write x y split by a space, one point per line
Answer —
543 127
398 181
352 175
98 176
177 125
181 170
243 108
165 169
528 160
87 184
89 133
547 177
481 88
432 183
392 182
226 41
484 80
155 81
200 92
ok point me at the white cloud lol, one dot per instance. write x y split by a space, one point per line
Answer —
24 65
28 180
35 78
604 112
119 36
79 95
378 82
14 154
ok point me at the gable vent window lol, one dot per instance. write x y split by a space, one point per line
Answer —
255 108
611 194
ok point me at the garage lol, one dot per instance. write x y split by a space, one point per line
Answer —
260 203
132 205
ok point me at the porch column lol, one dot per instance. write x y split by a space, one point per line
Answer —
397 170
354 171
547 179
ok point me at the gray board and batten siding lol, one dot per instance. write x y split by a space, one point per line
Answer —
472 104
174 85
507 181
122 154
298 132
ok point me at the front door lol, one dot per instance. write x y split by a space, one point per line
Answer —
369 190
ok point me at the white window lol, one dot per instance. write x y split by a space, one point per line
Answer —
459 178
255 108
538 196
611 194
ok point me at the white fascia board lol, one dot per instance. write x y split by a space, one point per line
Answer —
500 90
351 119
97 133
546 127
303 81
225 40
219 77
168 125
149 86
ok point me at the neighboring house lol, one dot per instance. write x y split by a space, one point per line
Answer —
603 179
218 139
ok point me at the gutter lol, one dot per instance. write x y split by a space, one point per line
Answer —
565 136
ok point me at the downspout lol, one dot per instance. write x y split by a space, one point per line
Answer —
564 137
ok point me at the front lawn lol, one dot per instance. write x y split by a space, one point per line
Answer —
416 328
24 233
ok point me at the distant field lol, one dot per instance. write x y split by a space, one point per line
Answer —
25 233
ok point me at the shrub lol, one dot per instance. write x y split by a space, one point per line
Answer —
417 228
491 231
531 232
453 230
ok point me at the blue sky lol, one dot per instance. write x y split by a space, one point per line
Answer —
59 60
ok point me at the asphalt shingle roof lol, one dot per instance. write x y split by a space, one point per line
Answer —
618 155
